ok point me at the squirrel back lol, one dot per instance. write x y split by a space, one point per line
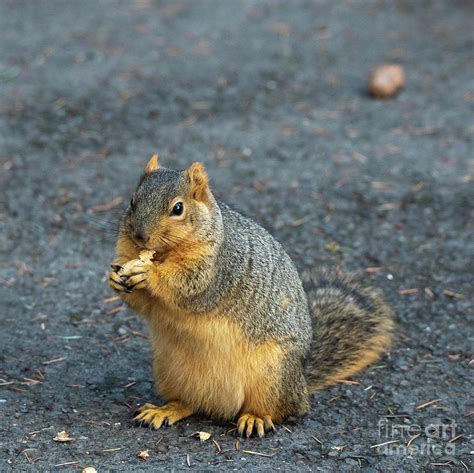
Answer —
265 281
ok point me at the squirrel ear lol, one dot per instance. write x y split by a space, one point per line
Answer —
198 181
152 165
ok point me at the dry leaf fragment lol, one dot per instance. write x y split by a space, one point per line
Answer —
89 469
203 436
63 436
143 455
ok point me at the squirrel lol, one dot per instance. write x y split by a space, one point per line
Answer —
232 333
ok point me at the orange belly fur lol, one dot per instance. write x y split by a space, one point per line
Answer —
206 362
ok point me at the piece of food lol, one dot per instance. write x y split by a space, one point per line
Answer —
386 81
145 256
126 267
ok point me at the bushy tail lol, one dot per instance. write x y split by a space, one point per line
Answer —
352 327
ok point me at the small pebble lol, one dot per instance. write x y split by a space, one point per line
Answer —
386 81
122 330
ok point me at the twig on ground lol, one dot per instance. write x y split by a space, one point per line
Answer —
67 463
412 439
115 202
251 452
218 447
426 404
384 443
55 360
405 292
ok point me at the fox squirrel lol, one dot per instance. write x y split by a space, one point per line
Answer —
231 330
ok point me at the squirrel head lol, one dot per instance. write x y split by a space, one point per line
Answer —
171 209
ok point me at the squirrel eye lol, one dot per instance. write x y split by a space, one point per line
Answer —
132 203
178 209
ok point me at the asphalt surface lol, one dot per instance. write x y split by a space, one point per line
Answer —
270 95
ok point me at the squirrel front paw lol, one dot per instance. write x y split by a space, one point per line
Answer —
115 280
133 274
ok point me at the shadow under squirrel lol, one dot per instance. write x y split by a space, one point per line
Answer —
231 331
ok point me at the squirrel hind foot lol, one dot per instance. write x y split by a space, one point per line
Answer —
156 416
249 424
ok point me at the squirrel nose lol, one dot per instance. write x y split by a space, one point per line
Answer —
139 236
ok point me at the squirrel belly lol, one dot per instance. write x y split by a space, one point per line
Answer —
230 326
209 364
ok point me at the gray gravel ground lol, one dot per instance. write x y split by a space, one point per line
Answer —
271 96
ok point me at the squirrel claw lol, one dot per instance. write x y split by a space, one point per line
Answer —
249 424
156 417
137 282
269 425
117 284
126 287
